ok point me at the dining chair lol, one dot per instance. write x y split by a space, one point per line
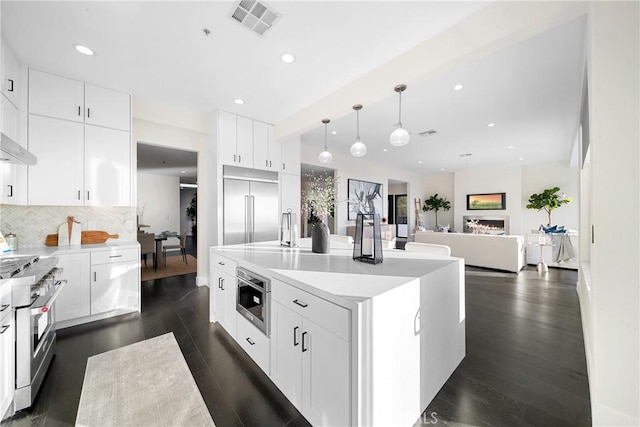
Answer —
147 246
182 247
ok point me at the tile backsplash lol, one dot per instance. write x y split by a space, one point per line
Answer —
32 224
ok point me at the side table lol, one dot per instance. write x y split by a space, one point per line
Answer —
542 266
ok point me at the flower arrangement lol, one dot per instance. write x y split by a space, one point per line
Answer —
320 197
476 227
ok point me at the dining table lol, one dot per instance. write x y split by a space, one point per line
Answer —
159 238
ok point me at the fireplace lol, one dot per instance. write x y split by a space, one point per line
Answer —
489 224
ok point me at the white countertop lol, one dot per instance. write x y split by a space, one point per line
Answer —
334 276
61 250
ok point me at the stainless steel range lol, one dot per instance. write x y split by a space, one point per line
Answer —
35 284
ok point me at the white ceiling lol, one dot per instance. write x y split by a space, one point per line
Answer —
168 161
158 51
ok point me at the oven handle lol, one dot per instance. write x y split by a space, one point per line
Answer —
37 307
257 288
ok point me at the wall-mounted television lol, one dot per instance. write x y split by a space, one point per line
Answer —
486 202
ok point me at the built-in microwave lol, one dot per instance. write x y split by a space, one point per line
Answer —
253 298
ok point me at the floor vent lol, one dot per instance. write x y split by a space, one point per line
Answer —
255 15
428 133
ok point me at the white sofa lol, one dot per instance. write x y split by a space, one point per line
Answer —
500 252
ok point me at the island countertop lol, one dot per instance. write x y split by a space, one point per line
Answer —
334 276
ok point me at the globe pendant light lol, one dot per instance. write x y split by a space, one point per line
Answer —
358 149
400 136
325 157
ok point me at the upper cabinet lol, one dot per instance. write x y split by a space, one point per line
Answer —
266 150
10 74
67 99
291 156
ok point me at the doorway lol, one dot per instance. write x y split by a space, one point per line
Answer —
398 212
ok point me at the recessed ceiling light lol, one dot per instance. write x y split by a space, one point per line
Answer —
420 161
384 149
239 101
442 169
510 147
334 132
183 171
491 125
521 158
84 50
458 87
287 58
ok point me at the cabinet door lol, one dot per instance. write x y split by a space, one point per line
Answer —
286 352
107 166
244 142
55 96
216 296
7 360
106 107
290 193
9 119
261 146
115 286
227 138
57 178
275 150
291 156
223 302
13 177
10 74
75 299
326 377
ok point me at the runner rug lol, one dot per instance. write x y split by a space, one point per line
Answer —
143 384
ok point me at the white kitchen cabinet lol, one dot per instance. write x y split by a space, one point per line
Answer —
235 140
108 108
107 167
266 150
10 75
244 142
290 193
115 280
58 177
223 293
7 358
55 96
291 156
13 177
253 342
310 363
75 299
67 99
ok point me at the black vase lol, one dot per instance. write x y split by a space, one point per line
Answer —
320 238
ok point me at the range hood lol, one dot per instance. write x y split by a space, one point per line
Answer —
12 152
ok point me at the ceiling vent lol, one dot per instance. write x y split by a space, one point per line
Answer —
465 155
254 15
428 133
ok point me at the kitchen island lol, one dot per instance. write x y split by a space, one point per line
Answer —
349 343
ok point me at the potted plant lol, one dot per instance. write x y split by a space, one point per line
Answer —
192 211
435 203
548 200
318 202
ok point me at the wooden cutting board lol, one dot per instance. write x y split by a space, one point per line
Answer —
87 237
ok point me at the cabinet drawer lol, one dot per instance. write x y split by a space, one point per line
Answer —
5 299
224 264
114 255
322 312
254 342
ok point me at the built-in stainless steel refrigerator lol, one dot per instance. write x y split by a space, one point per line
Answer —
251 211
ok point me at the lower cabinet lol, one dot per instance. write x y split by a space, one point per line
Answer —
311 366
115 280
75 299
253 342
223 293
7 359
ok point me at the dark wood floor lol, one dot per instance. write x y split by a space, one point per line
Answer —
525 362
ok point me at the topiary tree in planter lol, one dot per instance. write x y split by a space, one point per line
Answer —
548 200
192 211
435 203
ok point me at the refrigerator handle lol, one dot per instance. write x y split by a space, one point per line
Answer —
253 219
246 219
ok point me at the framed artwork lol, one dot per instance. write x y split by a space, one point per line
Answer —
364 197
486 202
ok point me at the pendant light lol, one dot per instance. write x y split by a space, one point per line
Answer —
400 136
358 149
325 157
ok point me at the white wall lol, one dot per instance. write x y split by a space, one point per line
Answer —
348 167
160 197
444 186
610 305
506 179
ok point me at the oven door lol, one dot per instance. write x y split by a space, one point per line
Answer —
253 303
